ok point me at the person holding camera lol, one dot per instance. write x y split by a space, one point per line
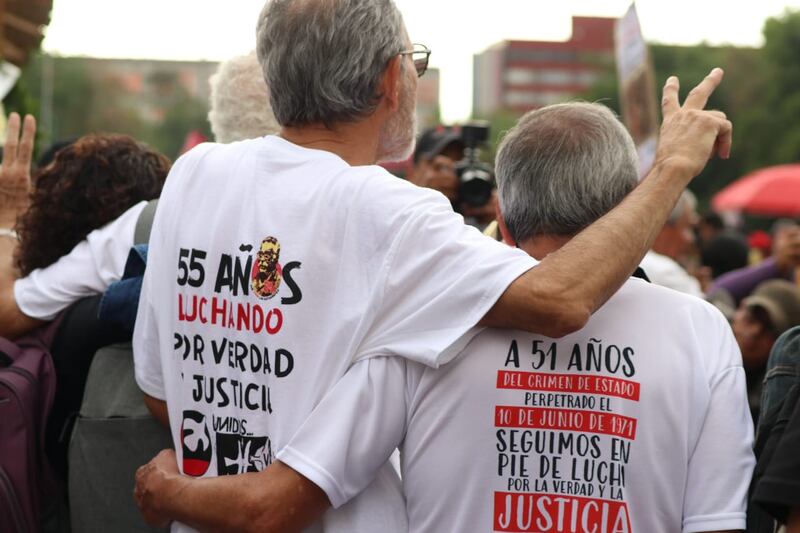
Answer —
438 155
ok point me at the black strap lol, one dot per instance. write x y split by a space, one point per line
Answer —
639 273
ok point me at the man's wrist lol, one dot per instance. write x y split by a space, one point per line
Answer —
674 168
168 494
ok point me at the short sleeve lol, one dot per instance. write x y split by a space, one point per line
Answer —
351 433
722 462
441 278
93 265
148 338
146 347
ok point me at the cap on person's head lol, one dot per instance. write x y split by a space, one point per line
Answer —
433 142
781 301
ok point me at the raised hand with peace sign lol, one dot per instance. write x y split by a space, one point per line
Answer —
690 135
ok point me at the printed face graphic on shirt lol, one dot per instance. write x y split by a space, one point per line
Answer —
196 441
266 274
238 454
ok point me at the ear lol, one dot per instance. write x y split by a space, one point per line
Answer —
390 83
501 225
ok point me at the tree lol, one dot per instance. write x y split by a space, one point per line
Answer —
743 82
90 96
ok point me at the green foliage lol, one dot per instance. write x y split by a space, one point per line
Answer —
760 95
88 99
499 123
20 100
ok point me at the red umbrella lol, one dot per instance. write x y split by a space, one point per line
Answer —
771 191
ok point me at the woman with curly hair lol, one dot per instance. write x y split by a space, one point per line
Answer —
89 183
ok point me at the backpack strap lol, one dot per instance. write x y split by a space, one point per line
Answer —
10 350
144 224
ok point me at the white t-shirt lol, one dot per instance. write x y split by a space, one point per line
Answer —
637 423
93 265
272 268
665 271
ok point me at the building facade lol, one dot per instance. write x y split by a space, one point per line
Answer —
518 76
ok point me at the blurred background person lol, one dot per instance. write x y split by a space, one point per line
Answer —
662 263
239 102
436 155
721 253
709 225
773 308
88 183
783 262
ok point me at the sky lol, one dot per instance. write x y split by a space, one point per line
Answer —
453 29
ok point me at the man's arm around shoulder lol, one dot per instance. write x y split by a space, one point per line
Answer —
278 499
559 295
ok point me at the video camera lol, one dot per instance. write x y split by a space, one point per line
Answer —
475 178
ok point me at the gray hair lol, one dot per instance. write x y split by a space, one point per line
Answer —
562 167
686 202
240 101
323 59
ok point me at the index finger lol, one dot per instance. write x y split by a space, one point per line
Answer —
25 150
669 102
698 97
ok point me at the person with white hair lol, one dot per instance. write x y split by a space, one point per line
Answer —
239 102
302 252
662 262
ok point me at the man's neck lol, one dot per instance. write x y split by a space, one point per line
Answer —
356 143
541 246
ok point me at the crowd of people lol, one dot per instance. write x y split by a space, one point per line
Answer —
586 354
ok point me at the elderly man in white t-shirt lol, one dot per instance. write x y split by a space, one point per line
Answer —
638 422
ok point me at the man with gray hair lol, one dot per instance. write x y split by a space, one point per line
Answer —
299 255
636 422
674 241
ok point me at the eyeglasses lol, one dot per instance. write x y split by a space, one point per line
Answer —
419 55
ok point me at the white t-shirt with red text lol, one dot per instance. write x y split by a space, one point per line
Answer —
273 267
637 423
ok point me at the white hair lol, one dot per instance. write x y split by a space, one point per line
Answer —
240 101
